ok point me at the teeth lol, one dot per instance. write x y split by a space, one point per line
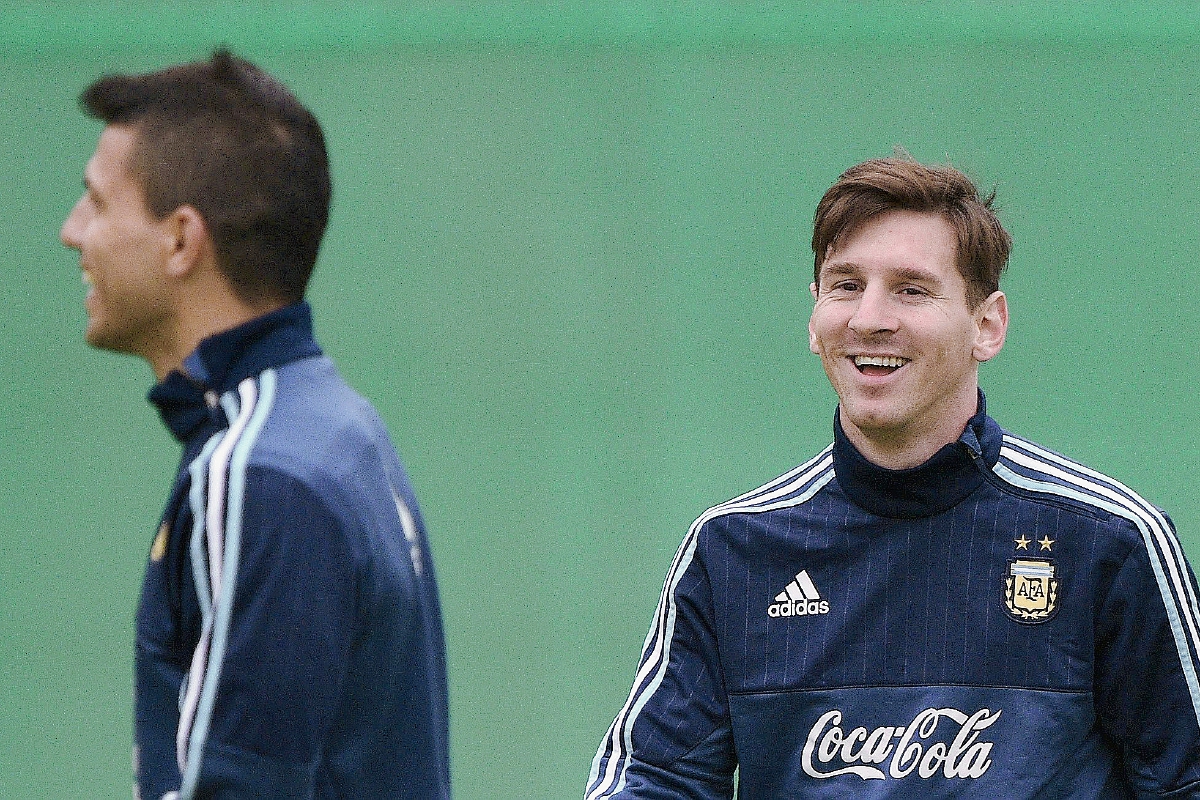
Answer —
879 361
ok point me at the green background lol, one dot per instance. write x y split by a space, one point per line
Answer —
568 262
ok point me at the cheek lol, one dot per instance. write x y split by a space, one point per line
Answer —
957 354
125 250
825 342
820 326
102 240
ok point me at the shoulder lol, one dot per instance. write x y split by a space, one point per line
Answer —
1041 473
316 422
312 395
301 430
793 488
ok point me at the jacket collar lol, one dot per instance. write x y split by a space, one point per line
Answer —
943 481
186 397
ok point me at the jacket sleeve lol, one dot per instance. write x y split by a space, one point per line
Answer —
672 738
265 681
1148 665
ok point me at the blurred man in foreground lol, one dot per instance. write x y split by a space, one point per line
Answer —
289 639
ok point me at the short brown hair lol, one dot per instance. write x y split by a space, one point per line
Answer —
875 187
228 139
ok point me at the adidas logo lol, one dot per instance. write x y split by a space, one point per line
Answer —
800 598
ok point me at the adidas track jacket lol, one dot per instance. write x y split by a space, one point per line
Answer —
999 622
289 640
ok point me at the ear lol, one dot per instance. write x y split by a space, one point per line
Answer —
991 322
812 336
189 241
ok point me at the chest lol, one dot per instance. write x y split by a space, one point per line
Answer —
827 595
169 617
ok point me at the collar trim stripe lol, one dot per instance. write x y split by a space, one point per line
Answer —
612 760
1050 473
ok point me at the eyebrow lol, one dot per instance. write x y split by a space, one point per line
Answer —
918 275
837 268
915 274
90 186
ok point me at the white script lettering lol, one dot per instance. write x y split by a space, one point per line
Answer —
911 748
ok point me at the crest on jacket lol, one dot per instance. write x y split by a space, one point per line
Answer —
1031 590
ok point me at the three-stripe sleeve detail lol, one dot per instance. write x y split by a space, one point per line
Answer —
189 698
1036 469
216 498
612 760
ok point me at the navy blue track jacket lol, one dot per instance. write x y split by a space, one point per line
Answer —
289 637
999 622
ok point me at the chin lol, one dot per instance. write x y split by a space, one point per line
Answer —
97 338
870 416
875 425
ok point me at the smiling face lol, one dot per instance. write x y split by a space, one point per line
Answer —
897 338
123 251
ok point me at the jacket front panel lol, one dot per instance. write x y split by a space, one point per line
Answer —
893 667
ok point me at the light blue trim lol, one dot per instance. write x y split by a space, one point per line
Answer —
198 470
1154 517
235 500
229 402
787 479
1140 518
813 476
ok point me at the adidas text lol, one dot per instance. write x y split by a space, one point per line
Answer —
799 598
798 608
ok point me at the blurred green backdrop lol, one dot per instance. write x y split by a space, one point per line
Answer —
568 261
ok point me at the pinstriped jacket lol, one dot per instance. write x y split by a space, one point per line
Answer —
289 639
999 622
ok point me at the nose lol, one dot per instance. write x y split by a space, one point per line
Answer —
874 312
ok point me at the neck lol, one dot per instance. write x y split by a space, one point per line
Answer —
912 444
200 321
895 452
937 484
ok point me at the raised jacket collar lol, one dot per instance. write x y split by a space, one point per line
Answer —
225 359
940 483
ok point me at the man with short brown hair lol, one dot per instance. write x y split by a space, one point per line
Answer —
289 635
930 607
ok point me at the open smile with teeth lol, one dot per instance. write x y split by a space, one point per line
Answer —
879 365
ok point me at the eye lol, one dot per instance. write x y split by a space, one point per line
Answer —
913 291
845 285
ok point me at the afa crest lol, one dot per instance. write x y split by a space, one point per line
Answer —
1031 590
159 548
